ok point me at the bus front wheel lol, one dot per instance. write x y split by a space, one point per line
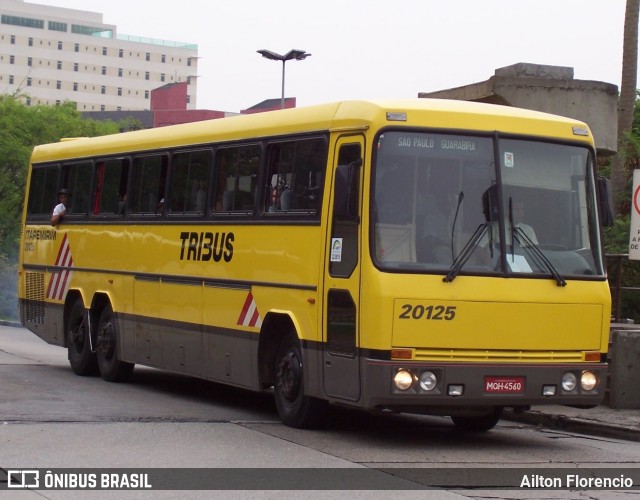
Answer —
111 368
481 423
81 359
294 407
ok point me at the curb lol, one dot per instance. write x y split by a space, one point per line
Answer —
9 323
572 424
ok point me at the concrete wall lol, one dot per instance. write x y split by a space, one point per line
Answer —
624 369
550 89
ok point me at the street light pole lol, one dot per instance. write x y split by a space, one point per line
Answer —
295 54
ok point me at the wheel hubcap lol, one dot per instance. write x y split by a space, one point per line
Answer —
290 375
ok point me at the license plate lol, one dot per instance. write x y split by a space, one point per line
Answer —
504 385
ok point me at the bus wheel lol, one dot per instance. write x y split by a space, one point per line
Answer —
81 359
111 368
478 424
295 409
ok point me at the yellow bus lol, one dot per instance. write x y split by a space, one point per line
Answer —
422 256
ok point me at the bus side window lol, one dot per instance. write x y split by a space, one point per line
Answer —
189 181
148 184
237 172
43 190
111 178
295 176
76 177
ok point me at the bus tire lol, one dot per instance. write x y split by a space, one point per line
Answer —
294 407
81 359
478 424
111 368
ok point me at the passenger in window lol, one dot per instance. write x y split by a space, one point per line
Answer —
60 210
273 202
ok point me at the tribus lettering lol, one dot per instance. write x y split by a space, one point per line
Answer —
206 246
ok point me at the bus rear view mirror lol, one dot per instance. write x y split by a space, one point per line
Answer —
346 195
605 200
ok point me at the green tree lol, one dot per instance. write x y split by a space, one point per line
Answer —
620 168
21 128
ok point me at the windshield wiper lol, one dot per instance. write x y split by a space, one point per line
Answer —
536 254
466 252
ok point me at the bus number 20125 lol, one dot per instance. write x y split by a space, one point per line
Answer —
439 312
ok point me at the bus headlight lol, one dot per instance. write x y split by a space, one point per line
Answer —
428 381
403 380
569 382
588 381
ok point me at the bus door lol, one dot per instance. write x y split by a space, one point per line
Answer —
341 363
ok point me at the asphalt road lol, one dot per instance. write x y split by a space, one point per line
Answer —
51 418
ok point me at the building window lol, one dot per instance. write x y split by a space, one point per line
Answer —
75 87
103 90
119 71
59 85
76 47
29 82
146 94
104 70
29 61
148 56
104 51
55 26
164 58
12 59
161 76
76 66
28 103
13 39
188 61
188 80
59 45
121 53
188 99
59 64
57 102
30 41
146 75
120 91
10 79
103 107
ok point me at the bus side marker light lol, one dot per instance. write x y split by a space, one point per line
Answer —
455 390
549 390
403 379
592 356
401 354
396 117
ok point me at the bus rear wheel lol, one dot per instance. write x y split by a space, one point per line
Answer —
111 368
294 407
81 359
481 423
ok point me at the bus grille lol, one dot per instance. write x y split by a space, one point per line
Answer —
496 355
34 295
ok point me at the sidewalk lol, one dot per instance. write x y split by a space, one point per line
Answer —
600 421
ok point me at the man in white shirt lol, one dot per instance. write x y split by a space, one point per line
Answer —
61 208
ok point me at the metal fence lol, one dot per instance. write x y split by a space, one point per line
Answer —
617 264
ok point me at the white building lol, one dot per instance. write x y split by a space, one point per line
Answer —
51 55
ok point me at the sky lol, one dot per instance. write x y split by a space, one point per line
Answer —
370 49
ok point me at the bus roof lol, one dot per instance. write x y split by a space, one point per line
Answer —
436 113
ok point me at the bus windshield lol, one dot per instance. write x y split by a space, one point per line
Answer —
484 205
